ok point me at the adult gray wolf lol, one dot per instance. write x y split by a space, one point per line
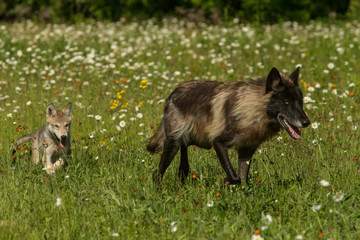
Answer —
228 114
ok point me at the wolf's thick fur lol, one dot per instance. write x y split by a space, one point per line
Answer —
51 143
228 114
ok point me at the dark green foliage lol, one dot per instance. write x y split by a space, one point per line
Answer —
263 11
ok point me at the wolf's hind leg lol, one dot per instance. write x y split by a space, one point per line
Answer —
184 164
35 153
171 147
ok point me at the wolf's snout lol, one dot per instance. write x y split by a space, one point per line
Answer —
63 137
305 122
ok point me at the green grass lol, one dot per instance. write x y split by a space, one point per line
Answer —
107 190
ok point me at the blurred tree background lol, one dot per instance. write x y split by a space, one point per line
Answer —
261 11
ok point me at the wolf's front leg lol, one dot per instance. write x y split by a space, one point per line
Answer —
49 166
245 154
184 164
35 152
222 153
59 164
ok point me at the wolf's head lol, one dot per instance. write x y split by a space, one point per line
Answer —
286 103
59 122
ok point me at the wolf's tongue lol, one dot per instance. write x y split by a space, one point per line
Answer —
294 133
62 145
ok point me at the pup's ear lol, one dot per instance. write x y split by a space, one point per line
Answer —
294 76
67 110
273 81
51 111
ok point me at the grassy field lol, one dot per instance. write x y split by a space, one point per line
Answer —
117 76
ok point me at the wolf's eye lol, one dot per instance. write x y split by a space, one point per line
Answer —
57 126
66 125
286 102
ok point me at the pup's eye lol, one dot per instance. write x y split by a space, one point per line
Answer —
66 125
57 126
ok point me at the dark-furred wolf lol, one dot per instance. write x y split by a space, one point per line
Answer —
51 143
228 114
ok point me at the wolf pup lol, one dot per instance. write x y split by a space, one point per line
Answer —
51 143
228 114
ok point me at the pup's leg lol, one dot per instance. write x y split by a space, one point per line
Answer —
35 152
48 164
59 164
171 147
184 164
222 153
245 155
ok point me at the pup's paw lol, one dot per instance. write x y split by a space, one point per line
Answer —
59 163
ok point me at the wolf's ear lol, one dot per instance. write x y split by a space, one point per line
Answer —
294 76
67 110
51 111
273 81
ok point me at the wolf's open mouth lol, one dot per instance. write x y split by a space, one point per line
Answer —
62 142
291 130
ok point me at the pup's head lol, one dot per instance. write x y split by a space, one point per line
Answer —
59 122
286 103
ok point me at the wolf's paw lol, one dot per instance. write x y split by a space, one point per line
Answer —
227 181
182 175
156 176
59 163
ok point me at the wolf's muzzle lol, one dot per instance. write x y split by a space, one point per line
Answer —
305 122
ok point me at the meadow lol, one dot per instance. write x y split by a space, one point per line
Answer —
117 76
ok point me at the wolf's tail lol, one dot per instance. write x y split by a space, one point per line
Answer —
156 142
23 140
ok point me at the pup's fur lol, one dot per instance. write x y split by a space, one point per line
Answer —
228 114
51 143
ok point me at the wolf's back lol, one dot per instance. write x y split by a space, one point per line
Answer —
156 142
